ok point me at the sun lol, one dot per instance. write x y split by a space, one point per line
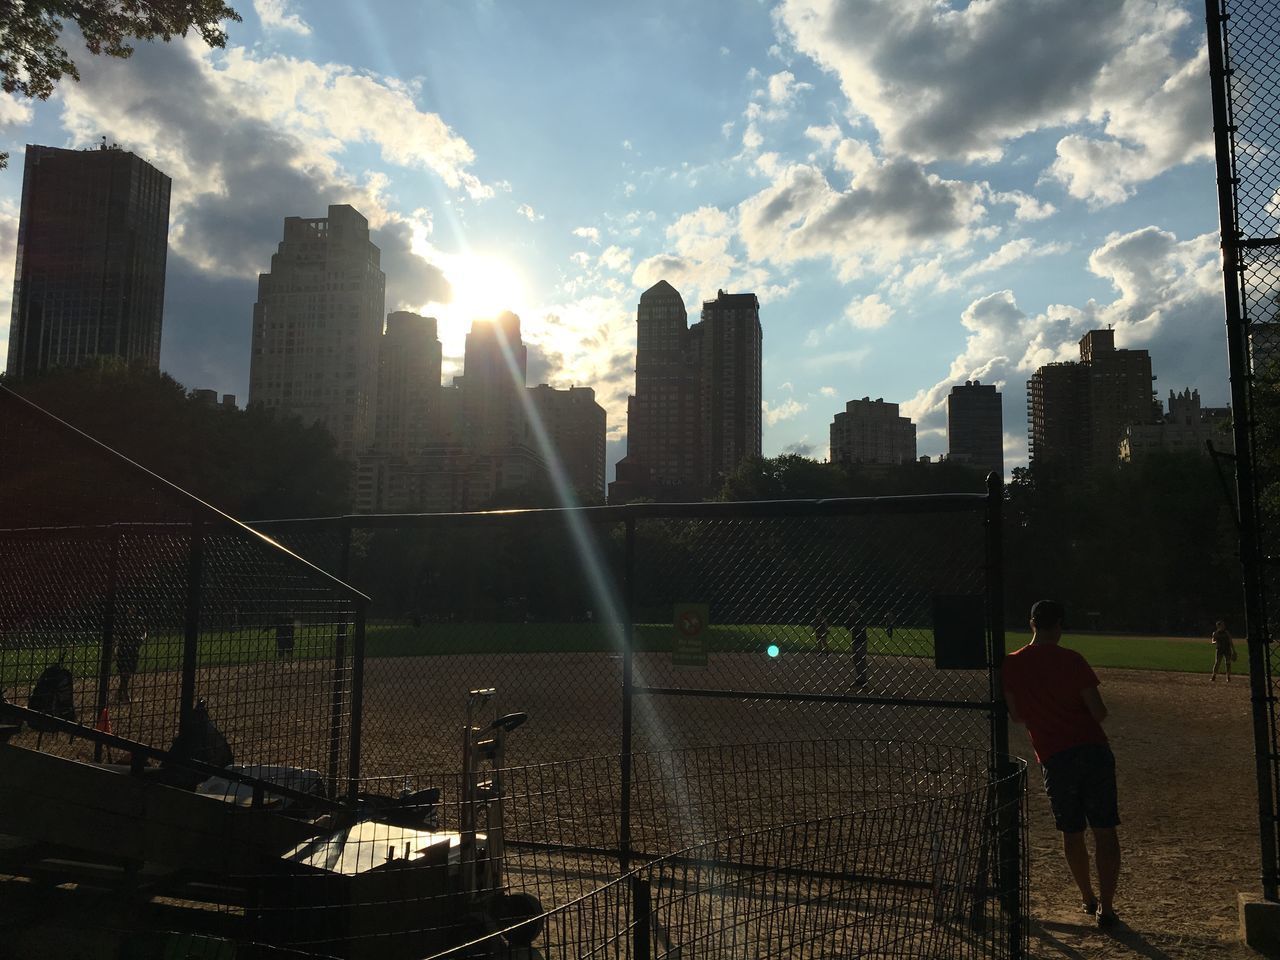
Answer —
484 285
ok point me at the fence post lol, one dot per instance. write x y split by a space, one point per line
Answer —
339 667
191 626
641 913
1008 803
1257 629
357 704
628 681
108 639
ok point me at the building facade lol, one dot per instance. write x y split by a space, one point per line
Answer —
408 396
93 240
1077 412
872 431
1187 427
575 426
727 343
975 426
318 325
695 414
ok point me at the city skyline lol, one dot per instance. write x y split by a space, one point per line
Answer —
895 252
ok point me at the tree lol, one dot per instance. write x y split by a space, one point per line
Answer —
32 60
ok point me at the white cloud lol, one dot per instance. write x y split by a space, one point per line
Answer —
868 313
941 80
626 145
615 258
786 410
827 391
1014 251
8 260
891 208
528 213
14 110
279 15
783 88
581 258
825 136
590 234
1026 207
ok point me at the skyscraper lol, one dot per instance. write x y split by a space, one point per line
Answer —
975 426
728 343
696 411
494 364
1077 412
575 425
663 421
871 431
409 362
92 243
317 327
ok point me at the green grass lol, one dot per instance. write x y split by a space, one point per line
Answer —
164 652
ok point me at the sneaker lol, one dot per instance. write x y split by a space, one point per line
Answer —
1090 907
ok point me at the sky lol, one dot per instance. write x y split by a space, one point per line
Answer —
920 192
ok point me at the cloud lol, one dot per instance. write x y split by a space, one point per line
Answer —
783 88
1165 288
8 260
278 15
868 313
528 213
1026 207
615 258
800 448
590 234
14 111
827 391
891 207
786 410
825 136
941 80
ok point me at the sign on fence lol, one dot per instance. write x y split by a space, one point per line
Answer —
690 648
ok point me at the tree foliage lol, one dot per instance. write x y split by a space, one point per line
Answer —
248 463
33 58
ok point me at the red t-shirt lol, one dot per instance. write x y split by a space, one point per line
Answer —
1045 682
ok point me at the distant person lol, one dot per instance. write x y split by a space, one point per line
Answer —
1224 650
128 635
1054 692
284 638
858 643
890 618
820 629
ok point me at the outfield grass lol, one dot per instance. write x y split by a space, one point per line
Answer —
164 652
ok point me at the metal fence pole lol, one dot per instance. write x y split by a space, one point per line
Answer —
642 917
191 628
339 680
628 693
1008 803
1256 626
108 639
357 703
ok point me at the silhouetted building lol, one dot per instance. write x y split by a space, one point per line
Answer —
1187 427
975 426
93 238
727 343
695 413
663 423
317 327
1077 412
494 365
871 431
409 363
575 426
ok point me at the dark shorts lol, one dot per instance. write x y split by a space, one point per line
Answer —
1081 784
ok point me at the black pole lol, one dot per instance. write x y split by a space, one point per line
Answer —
1257 629
108 639
191 628
339 677
628 693
357 703
641 914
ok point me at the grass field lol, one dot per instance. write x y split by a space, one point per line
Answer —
164 652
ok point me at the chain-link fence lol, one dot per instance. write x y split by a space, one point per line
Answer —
1244 61
129 606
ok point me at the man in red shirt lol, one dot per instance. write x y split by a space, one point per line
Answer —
1054 692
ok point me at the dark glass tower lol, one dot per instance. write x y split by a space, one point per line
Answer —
92 242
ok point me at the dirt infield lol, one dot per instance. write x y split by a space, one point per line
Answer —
1184 755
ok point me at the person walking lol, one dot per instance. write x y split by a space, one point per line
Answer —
1224 650
1054 692
130 633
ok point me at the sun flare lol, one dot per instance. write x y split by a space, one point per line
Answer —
484 285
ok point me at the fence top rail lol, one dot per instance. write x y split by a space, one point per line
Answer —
201 512
732 509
